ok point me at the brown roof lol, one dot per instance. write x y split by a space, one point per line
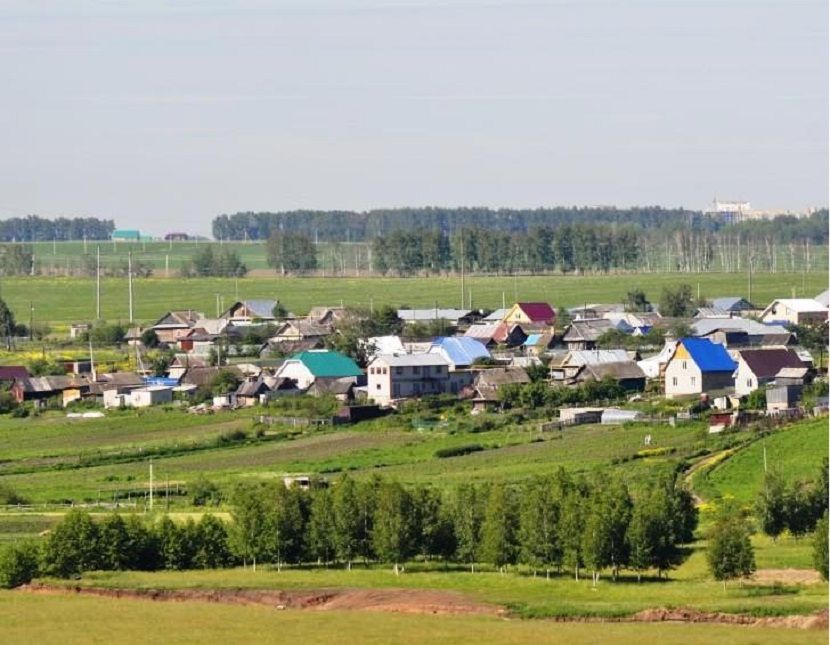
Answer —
589 330
11 372
489 381
766 363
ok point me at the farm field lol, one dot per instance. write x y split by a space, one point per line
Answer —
60 301
796 452
40 618
91 459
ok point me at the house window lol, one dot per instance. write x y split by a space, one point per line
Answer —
684 365
377 387
674 380
398 370
749 382
384 370
416 370
694 380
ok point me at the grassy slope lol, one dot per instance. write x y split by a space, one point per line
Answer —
28 618
795 451
64 300
389 447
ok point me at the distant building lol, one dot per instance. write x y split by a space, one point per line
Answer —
126 235
244 312
459 351
531 312
176 237
758 367
306 367
795 311
392 377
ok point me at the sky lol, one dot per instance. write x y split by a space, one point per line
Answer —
163 114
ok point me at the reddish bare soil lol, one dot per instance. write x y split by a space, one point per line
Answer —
412 601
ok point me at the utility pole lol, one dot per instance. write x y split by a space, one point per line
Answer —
462 268
130 281
31 318
749 278
98 283
167 266
151 484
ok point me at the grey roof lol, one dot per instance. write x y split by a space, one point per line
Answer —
46 384
589 330
731 303
424 315
619 370
704 326
501 376
411 360
595 356
497 316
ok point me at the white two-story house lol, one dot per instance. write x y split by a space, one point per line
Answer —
399 376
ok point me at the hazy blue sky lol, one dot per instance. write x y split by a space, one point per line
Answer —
162 115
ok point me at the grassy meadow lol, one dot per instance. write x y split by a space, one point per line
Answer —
60 301
27 618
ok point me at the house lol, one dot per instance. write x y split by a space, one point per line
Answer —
77 330
327 315
306 367
376 345
795 311
203 377
259 390
823 298
454 317
538 344
654 366
392 377
698 365
183 362
197 341
298 329
627 373
497 333
145 397
568 366
757 367
487 384
531 312
741 332
246 312
126 235
584 334
40 388
341 389
175 324
459 351
732 304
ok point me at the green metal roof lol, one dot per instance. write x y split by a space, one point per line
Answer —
327 364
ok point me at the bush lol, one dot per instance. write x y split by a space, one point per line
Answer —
230 437
458 451
9 496
18 564
204 492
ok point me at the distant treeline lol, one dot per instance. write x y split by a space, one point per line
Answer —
350 226
38 229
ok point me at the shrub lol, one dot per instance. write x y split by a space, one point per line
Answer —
10 496
204 492
18 564
230 437
458 451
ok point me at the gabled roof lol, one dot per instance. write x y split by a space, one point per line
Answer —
537 311
487 332
732 303
823 298
11 372
766 363
459 350
324 363
333 385
594 357
423 315
799 305
708 356
385 345
497 316
621 370
184 318
261 308
705 326
498 376
305 328
588 330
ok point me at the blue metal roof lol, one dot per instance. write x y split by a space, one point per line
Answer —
709 356
532 339
461 350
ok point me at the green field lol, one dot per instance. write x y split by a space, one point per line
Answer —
796 452
26 618
60 301
51 458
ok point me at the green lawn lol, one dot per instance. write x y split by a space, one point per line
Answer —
795 451
26 618
60 301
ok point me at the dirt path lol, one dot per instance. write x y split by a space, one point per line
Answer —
411 601
710 461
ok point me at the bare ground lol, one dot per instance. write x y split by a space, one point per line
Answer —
787 576
411 601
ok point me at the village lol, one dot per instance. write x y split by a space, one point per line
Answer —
719 359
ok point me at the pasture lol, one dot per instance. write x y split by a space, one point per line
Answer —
60 301
795 452
27 618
